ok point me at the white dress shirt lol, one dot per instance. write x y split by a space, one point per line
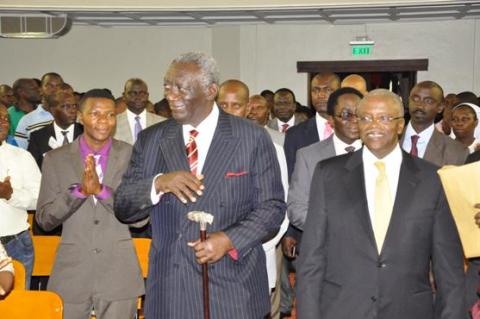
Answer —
131 121
424 138
205 130
392 161
321 123
290 122
25 180
340 145
59 135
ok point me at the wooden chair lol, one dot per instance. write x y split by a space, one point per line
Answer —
19 278
45 248
142 247
21 304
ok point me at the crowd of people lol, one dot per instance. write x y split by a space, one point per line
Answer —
345 193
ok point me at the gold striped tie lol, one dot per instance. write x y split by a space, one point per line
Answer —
383 205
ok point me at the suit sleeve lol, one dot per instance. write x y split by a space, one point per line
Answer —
290 152
55 204
448 264
132 200
268 200
34 149
313 257
298 193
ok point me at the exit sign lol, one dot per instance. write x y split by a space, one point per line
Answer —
358 50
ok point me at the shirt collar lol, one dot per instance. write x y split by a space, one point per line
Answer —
208 123
132 115
393 158
341 145
58 129
424 136
86 150
290 122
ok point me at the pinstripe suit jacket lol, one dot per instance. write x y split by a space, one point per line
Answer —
246 207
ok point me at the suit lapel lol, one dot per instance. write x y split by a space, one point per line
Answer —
77 130
311 131
406 189
434 149
76 159
173 148
355 184
111 164
223 143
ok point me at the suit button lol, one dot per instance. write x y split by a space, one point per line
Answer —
381 265
96 222
373 298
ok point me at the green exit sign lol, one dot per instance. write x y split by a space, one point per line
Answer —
358 50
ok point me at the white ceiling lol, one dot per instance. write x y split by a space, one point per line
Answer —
321 14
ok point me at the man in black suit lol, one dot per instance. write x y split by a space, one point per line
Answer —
377 219
317 128
203 160
62 130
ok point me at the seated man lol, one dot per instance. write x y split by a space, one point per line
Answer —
96 265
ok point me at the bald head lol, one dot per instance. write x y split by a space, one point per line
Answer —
233 98
355 81
135 95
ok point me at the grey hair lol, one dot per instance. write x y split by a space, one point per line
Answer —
207 65
397 101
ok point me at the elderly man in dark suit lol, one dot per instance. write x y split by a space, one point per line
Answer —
95 265
377 218
203 160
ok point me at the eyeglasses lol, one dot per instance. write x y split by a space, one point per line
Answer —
346 116
382 119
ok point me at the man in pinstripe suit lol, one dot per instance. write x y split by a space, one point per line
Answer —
235 177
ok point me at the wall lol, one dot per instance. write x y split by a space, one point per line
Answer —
264 56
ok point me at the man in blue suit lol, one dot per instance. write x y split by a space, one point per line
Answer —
203 160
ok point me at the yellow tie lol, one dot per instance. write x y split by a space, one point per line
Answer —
383 205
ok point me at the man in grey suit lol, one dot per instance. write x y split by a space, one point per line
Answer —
230 171
341 110
421 138
96 266
260 113
377 218
136 117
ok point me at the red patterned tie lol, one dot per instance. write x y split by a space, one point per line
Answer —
414 150
192 152
284 127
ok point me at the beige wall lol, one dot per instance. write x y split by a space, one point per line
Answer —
264 56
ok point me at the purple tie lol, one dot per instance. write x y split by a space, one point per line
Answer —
138 127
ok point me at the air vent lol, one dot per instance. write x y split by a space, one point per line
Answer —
33 26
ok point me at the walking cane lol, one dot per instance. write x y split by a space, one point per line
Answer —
203 219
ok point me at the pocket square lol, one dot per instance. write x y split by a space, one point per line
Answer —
236 174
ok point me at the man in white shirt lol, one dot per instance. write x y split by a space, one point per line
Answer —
136 117
372 233
421 138
203 160
19 187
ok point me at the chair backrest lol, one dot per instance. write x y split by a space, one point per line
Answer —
45 248
142 246
21 304
19 278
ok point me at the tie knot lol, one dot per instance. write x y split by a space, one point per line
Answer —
193 133
380 166
137 118
97 158
350 149
415 139
64 133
